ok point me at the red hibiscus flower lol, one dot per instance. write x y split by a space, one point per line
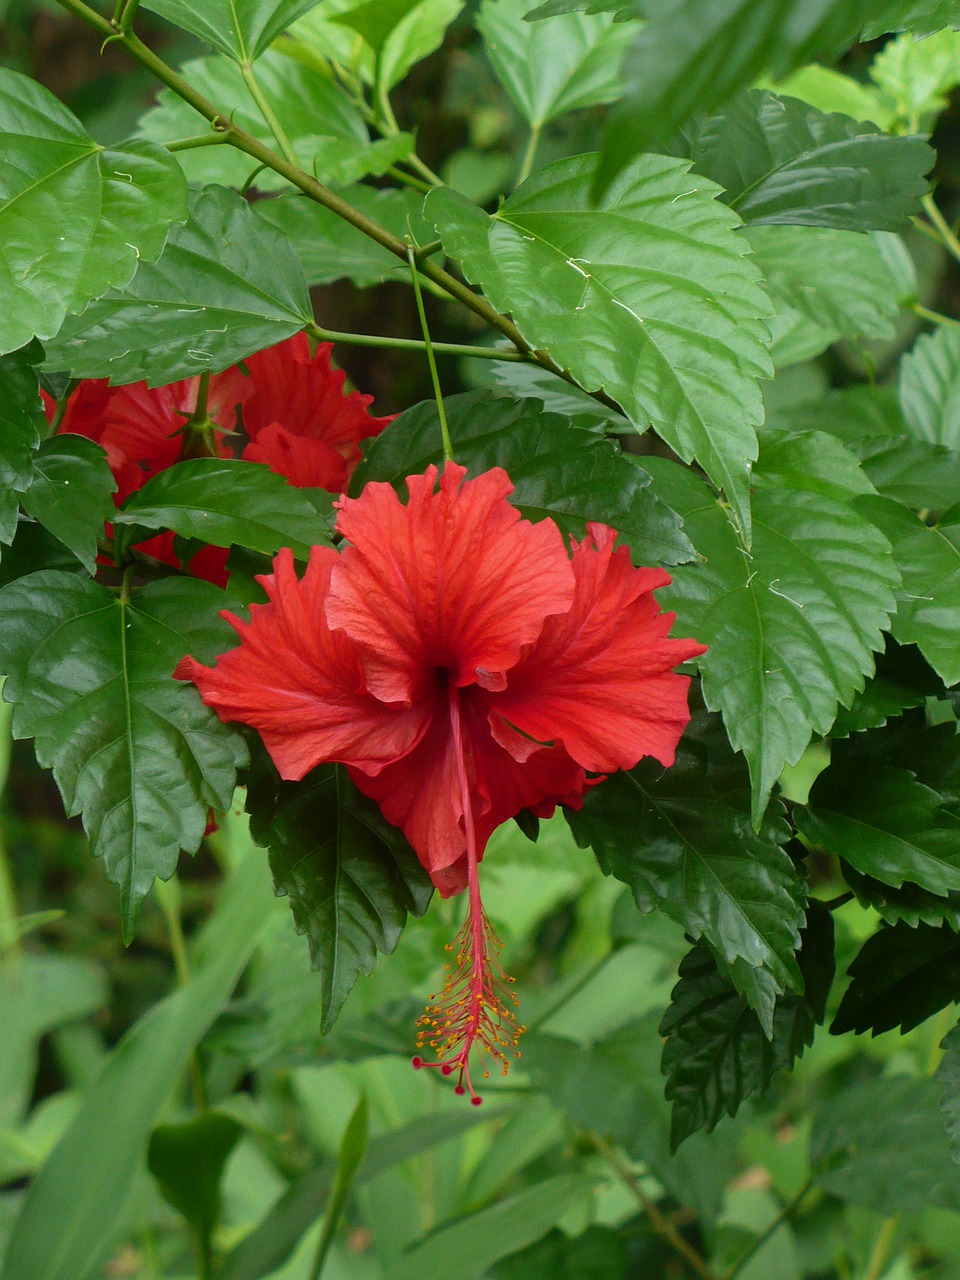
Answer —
463 667
300 422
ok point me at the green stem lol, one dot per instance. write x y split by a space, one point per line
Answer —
200 417
526 165
428 346
268 113
8 894
129 13
62 403
935 317
944 229
320 334
408 179
168 896
765 1235
659 1221
881 1249
198 140
414 161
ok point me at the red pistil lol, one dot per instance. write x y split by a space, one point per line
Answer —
474 1005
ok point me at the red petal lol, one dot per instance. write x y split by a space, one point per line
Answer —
454 580
300 684
600 676
305 463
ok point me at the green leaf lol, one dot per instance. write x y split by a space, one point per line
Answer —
792 627
376 20
903 679
19 410
331 249
948 1077
34 548
188 1160
598 1254
900 977
483 1238
121 202
613 1087
522 378
71 494
648 296
353 1148
70 1215
922 17
813 460
226 285
831 91
241 28
832 284
269 1245
780 160
351 878
930 388
716 1053
692 57
682 839
324 127
885 823
549 68
225 502
859 1139
411 39
915 75
928 603
909 903
136 752
559 469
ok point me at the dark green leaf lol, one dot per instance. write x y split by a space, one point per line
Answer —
188 1160
903 680
136 752
948 1077
682 839
121 202
224 502
559 469
324 128
225 286
351 878
19 409
648 296
812 460
909 903
598 1254
860 1139
241 28
71 494
716 1053
901 976
928 603
885 823
331 249
792 627
550 68
781 160
34 548
930 388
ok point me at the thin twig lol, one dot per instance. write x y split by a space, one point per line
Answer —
765 1235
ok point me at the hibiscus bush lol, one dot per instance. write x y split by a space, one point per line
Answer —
514 728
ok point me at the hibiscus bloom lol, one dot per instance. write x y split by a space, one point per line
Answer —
463 667
300 421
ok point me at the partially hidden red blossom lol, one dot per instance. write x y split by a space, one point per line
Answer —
463 667
300 421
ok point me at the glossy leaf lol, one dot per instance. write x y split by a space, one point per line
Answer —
548 68
859 1139
224 502
930 388
532 381
121 203
559 469
241 28
780 160
948 1077
324 128
885 823
903 679
69 1216
716 1053
682 839
792 628
928 603
188 1160
71 494
909 903
830 284
226 285
901 976
19 406
351 878
331 249
648 296
135 752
